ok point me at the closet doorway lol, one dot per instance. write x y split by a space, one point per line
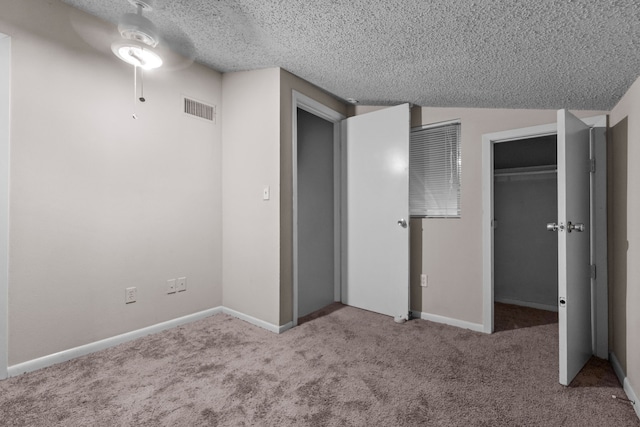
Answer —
317 172
316 244
525 253
580 228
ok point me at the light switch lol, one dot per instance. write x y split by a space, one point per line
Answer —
266 193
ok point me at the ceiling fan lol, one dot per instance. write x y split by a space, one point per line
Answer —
139 37
139 41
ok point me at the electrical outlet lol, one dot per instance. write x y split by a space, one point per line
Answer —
171 286
424 280
130 295
182 284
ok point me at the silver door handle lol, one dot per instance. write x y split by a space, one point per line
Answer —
552 226
402 223
574 227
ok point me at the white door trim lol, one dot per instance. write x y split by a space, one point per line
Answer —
600 305
600 297
320 110
487 208
5 114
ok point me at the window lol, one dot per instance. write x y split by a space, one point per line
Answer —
434 170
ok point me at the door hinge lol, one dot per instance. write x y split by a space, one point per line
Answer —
592 165
593 271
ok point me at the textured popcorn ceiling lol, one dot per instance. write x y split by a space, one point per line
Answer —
578 54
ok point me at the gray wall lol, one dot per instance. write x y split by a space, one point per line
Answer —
315 213
526 254
288 84
624 176
618 238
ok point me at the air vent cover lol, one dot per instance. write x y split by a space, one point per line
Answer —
199 109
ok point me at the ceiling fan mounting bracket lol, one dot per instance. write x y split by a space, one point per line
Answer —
146 5
134 26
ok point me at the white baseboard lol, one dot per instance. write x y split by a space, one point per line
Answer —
631 394
257 322
539 306
72 353
626 385
285 327
478 327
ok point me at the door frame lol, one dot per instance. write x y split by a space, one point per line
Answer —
599 293
318 109
5 137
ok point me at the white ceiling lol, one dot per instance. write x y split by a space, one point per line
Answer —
578 54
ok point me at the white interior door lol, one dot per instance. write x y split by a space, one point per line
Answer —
574 272
377 211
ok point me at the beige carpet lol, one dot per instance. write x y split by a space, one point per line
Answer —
346 368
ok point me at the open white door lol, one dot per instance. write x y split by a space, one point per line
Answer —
574 272
377 211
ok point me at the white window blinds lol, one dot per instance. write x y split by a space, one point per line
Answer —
434 170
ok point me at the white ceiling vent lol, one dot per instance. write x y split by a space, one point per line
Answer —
199 109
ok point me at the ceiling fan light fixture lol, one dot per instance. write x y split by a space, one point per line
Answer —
136 55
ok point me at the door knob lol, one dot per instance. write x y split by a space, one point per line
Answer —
552 226
574 227
402 223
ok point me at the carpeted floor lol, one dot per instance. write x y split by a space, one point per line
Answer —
346 367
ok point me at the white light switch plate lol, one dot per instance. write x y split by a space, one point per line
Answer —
266 193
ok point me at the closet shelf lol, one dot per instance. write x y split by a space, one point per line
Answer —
533 170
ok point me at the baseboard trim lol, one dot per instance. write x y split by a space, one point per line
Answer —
626 385
285 327
631 394
257 322
478 327
72 353
539 306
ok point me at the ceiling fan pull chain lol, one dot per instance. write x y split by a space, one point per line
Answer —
142 85
135 89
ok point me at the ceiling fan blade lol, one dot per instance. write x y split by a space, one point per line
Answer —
96 33
176 48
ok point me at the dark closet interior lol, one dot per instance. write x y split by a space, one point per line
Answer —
525 200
